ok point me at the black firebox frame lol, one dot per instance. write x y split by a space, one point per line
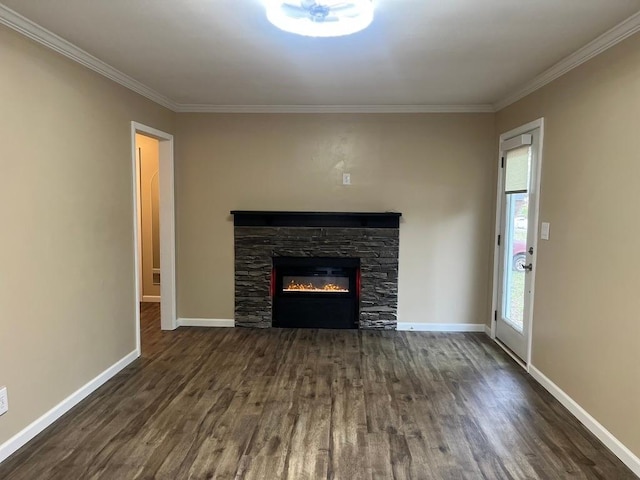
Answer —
300 309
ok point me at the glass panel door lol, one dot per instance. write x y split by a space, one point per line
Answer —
517 238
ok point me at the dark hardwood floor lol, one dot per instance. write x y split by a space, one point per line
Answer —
316 404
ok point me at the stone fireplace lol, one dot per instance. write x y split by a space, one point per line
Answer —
265 241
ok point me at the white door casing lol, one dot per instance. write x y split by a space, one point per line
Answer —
168 311
504 329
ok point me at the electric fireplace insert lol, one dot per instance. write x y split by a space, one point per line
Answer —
315 292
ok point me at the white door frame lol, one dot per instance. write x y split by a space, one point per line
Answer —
539 123
168 313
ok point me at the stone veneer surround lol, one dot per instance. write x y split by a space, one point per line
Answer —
377 248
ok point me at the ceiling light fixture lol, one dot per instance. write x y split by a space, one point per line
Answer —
320 18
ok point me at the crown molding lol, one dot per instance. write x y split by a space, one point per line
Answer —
194 108
604 42
58 44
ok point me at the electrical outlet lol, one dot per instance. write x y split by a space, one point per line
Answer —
346 179
4 401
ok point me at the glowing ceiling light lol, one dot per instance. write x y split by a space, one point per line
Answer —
320 18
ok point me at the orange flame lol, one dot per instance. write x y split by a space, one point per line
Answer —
310 287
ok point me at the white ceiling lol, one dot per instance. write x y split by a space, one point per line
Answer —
417 52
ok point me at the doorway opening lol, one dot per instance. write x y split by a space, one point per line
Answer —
517 203
154 227
148 152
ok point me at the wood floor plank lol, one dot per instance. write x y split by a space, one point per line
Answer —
315 404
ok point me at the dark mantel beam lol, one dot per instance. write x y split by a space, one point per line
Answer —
246 218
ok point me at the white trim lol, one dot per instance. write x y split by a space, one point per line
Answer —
441 327
186 108
536 124
539 123
609 39
151 298
58 44
35 32
29 432
206 322
168 304
168 314
137 229
516 142
527 127
496 249
605 436
487 330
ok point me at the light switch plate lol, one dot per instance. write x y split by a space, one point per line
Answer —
346 179
4 401
544 231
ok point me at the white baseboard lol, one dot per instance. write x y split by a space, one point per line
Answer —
206 322
151 298
487 330
606 437
441 327
28 433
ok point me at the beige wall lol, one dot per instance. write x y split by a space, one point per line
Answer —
435 169
586 331
66 248
149 151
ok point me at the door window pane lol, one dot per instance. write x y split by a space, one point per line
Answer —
515 259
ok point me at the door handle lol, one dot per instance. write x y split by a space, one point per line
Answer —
528 267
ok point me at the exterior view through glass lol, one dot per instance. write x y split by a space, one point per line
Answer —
517 219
